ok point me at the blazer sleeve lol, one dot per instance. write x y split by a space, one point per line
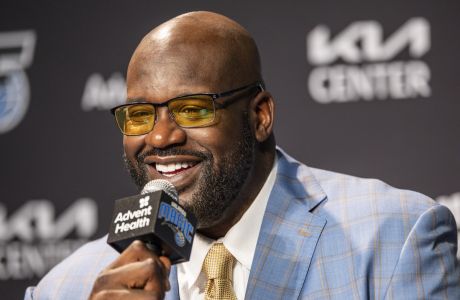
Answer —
427 267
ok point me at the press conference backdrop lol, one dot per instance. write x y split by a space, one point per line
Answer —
368 88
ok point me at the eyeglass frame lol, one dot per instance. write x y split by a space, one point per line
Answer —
214 96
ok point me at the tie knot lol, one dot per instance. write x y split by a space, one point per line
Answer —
218 263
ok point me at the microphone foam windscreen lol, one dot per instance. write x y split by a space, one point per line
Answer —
160 185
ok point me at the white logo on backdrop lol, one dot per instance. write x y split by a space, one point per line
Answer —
101 94
358 64
33 239
16 54
453 203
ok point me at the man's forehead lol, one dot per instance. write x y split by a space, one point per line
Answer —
173 74
181 68
161 93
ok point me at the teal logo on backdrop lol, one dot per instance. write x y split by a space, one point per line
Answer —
16 50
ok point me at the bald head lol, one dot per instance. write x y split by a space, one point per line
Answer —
202 48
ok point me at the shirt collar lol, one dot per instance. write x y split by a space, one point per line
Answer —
240 240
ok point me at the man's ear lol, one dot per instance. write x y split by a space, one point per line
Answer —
262 109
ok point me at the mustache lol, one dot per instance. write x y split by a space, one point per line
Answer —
171 152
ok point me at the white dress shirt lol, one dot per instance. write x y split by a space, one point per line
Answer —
240 240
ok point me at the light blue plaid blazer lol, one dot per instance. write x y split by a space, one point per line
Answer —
324 236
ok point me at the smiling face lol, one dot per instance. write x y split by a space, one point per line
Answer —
217 169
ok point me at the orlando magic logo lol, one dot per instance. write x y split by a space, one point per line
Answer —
179 238
14 85
177 221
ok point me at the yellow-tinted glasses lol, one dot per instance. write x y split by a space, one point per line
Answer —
195 110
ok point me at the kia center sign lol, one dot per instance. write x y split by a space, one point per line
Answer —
359 64
33 239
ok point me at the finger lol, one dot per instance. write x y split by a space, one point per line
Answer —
137 251
166 263
137 274
125 294
133 276
167 268
163 273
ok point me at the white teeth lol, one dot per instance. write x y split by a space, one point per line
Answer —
171 167
161 168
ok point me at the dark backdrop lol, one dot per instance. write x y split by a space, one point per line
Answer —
368 88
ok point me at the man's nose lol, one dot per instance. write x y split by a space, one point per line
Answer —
165 131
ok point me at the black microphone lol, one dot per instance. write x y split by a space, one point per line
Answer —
156 218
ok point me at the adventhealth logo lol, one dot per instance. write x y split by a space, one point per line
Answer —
144 201
102 94
358 63
131 220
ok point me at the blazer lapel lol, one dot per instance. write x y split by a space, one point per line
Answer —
289 234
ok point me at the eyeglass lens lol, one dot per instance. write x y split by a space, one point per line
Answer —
138 119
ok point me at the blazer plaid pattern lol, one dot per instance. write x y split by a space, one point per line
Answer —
324 236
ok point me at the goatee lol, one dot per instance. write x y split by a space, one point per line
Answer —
217 185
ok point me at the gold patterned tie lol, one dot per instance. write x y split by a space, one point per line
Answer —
218 266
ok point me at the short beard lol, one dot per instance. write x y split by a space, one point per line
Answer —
218 186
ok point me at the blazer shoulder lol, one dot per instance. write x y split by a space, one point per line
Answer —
341 190
357 191
74 276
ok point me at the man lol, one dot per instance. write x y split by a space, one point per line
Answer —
199 116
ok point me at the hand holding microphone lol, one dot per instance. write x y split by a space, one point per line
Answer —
152 231
137 273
